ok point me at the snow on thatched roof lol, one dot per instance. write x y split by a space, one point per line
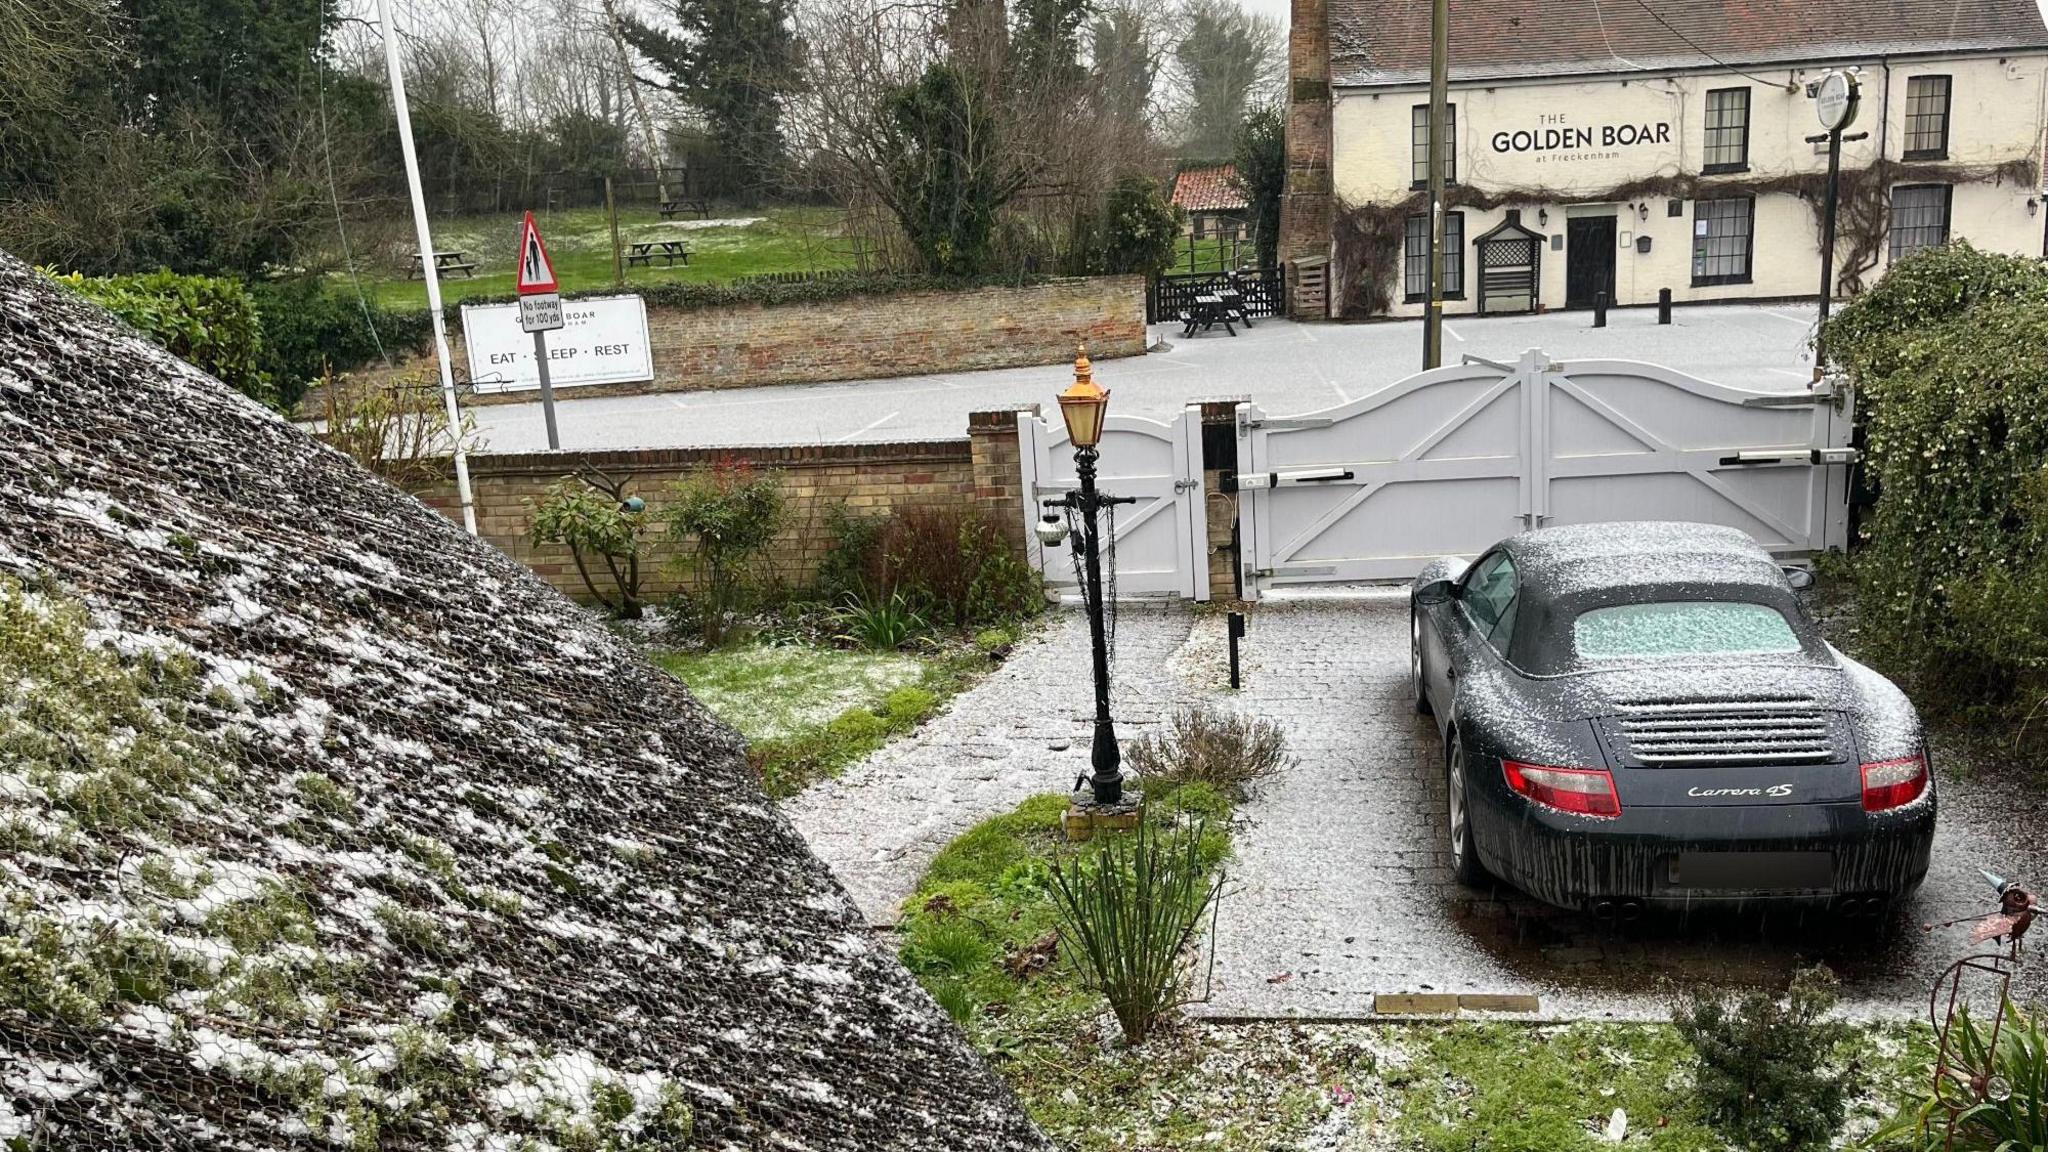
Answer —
323 825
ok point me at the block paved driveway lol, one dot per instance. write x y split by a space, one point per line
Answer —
1340 891
1287 368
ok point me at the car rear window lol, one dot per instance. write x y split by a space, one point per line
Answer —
1681 628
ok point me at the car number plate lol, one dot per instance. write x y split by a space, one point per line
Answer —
1755 871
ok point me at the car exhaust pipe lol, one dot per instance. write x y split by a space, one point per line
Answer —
1628 911
1603 909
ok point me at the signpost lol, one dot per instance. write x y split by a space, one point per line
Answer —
540 312
1835 97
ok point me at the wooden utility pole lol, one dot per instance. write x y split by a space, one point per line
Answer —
1439 152
611 211
611 19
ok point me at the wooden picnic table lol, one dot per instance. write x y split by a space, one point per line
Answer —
647 251
1205 313
454 260
693 204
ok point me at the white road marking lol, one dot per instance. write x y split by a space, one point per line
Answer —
1339 390
869 428
1802 321
1791 373
1453 334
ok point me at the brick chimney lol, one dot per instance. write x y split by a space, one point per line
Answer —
1306 208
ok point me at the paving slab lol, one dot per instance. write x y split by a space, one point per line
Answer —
1341 894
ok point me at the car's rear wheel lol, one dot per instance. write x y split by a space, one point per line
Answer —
1465 865
1415 663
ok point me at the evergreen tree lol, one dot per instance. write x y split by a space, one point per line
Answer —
1228 55
1261 162
735 62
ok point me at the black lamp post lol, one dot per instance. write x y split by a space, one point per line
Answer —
1083 406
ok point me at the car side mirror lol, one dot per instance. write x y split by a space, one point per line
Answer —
1436 592
1799 578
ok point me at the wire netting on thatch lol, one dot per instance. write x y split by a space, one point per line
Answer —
325 826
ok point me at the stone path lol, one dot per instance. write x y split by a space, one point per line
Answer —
1341 891
1021 732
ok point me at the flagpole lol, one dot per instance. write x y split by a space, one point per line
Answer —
428 266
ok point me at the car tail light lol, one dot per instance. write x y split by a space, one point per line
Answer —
1580 791
1889 784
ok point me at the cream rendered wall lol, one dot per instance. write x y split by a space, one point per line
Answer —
1996 115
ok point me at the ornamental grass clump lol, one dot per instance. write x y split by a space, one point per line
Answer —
1127 913
1229 751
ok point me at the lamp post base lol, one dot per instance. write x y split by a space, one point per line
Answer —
1085 817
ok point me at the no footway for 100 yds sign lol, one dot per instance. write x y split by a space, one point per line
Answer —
540 312
540 297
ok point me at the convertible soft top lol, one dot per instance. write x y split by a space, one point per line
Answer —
1583 558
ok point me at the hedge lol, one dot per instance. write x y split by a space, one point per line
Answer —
208 321
1949 358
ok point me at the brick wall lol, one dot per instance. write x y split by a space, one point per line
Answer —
981 469
863 337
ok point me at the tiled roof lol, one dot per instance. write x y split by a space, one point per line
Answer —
1387 41
1209 189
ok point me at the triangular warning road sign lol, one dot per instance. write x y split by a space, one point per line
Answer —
536 271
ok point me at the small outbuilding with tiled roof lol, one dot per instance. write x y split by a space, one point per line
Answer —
1213 200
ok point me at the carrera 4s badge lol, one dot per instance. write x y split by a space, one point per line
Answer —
1773 790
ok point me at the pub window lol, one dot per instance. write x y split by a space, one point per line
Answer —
1415 258
1919 217
1727 130
1927 118
1723 235
1419 139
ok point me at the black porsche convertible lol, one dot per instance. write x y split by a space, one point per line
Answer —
1643 714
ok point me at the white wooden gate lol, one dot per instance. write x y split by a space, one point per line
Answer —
1451 460
1162 541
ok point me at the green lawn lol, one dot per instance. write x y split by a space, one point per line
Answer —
737 242
808 709
773 692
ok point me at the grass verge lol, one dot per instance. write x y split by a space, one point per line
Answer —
980 935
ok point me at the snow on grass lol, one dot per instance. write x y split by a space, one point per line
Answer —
772 692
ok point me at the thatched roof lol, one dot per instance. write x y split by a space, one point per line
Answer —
323 825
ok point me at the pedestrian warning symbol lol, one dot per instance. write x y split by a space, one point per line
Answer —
536 271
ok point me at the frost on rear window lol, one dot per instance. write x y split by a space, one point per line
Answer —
1681 628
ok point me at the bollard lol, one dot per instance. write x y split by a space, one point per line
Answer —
1236 633
1663 305
1600 310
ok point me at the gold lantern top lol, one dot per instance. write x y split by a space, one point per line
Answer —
1084 404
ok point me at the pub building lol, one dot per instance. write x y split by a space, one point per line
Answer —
1627 146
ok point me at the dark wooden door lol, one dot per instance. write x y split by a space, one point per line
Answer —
1588 260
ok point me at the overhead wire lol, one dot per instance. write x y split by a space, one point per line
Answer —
1673 29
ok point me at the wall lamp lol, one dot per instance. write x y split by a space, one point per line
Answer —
1543 216
2033 206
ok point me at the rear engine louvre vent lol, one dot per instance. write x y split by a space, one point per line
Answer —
1686 733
